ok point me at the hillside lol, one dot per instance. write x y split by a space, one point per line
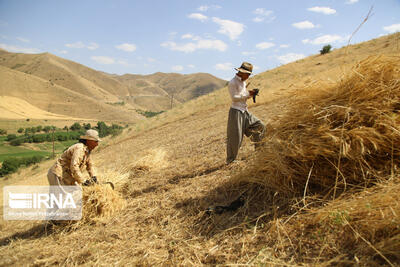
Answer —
16 108
170 169
100 87
56 99
167 86
65 73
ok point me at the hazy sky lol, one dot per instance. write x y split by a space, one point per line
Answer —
188 36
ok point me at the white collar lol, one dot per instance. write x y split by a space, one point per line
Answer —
238 78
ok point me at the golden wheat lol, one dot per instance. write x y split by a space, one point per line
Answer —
333 137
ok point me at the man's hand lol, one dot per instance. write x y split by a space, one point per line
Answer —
86 183
94 179
91 181
253 93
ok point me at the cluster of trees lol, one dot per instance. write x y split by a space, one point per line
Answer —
148 114
37 129
68 133
40 138
11 165
105 130
77 127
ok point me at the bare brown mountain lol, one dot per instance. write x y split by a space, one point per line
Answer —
66 73
56 99
168 87
68 88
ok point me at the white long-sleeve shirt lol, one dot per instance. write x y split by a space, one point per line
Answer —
239 94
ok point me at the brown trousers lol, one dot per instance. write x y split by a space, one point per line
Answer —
54 180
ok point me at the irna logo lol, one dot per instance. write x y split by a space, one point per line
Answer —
40 200
42 203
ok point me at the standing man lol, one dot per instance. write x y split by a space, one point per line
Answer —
240 120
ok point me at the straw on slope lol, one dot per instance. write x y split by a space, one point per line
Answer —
363 228
154 159
100 202
333 136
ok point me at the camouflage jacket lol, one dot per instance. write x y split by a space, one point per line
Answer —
70 165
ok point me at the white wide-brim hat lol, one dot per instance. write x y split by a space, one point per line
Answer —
91 135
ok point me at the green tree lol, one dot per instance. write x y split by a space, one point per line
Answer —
17 142
326 49
39 138
102 128
11 137
9 166
75 127
20 130
47 129
87 126
3 132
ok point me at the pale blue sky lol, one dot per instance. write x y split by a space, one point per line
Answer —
143 37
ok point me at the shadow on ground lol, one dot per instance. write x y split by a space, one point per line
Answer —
36 232
244 205
130 191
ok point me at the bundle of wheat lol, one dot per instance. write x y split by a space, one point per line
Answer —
100 202
333 136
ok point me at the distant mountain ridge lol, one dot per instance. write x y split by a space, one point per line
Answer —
87 93
170 86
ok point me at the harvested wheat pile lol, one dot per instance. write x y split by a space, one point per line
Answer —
100 202
335 136
362 228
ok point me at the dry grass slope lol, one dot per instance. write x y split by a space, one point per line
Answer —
161 87
16 108
66 73
56 99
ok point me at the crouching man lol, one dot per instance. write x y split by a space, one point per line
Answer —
69 166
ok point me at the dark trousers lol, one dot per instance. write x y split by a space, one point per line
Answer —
239 124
